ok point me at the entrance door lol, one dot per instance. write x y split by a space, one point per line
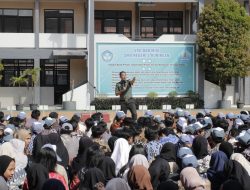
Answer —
55 73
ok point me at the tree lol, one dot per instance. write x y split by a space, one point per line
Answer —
33 77
223 41
1 69
18 81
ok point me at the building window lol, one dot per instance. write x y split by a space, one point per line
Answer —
16 20
54 72
14 68
113 22
154 24
59 21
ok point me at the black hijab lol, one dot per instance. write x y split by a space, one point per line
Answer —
4 163
231 184
227 148
234 170
169 185
55 139
107 166
37 175
81 159
159 171
168 152
199 147
111 142
53 184
90 177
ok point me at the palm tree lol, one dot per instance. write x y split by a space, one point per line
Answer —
18 81
32 76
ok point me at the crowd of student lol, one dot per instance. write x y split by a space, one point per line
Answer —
179 151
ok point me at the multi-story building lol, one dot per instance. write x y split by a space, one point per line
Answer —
61 37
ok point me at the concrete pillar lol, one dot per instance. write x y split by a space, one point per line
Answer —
201 73
36 22
187 19
37 60
37 86
137 22
201 5
246 80
247 90
193 23
91 50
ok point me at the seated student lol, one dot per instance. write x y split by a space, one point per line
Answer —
200 150
36 129
167 135
24 135
97 132
181 126
48 126
185 141
215 172
45 168
139 178
216 138
234 170
71 143
159 169
136 150
48 158
153 147
199 129
120 154
118 120
35 115
22 119
227 148
222 123
243 144
52 138
7 170
190 179
56 126
89 124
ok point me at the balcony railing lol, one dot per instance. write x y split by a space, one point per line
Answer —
65 41
17 40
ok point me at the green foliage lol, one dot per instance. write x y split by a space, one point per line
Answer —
34 73
152 103
223 40
152 95
18 81
192 94
172 94
1 69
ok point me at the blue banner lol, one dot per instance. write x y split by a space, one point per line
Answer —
159 68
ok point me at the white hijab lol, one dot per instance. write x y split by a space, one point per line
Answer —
138 159
15 149
242 160
21 158
120 154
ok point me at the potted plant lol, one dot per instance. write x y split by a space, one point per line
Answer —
70 105
223 43
240 104
33 77
18 81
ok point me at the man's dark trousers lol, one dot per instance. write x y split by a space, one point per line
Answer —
129 105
